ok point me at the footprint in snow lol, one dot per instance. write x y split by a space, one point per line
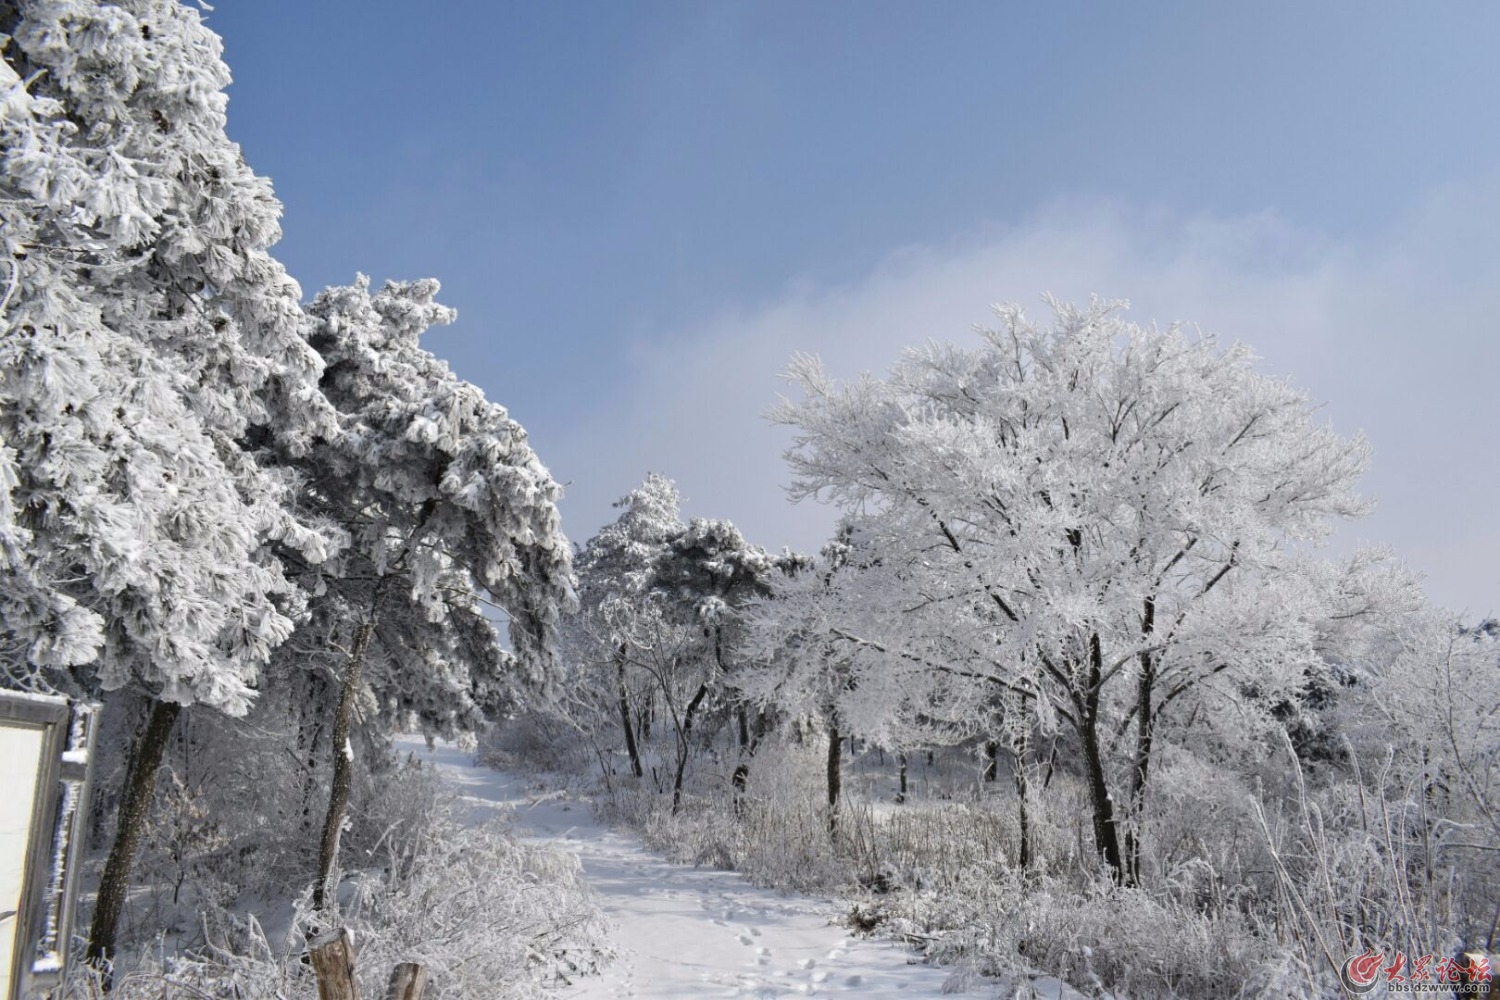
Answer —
854 982
745 939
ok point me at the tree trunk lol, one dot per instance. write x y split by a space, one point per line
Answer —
644 718
991 760
1144 733
1106 832
135 809
738 781
683 736
835 775
1106 835
630 745
325 895
901 795
1023 797
310 728
332 955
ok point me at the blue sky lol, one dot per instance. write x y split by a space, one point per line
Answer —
640 209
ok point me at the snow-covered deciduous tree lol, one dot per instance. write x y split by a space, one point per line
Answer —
447 508
1093 519
1430 690
799 665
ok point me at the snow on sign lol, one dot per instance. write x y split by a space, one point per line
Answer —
45 756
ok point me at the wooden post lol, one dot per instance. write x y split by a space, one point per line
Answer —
408 982
332 955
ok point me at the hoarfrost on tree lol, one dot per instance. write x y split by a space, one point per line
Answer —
439 490
1099 521
137 526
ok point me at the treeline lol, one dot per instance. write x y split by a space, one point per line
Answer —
1086 552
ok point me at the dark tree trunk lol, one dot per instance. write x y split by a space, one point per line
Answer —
10 20
324 894
835 775
644 718
310 728
1023 797
630 744
1106 832
739 780
1145 732
901 760
343 720
135 809
684 734
1106 838
991 760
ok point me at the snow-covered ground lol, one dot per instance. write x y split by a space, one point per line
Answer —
694 932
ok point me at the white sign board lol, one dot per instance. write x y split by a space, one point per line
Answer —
20 769
45 748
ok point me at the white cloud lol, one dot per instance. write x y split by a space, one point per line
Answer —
1395 333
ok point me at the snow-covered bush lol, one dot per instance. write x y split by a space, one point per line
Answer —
1097 937
242 963
491 917
775 833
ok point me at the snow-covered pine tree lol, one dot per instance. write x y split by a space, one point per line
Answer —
708 574
616 577
1094 519
661 616
448 509
148 337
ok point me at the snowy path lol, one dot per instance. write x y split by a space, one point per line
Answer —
691 932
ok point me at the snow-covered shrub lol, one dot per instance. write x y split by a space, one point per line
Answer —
491 917
1099 937
1360 864
1202 846
400 809
775 833
241 961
